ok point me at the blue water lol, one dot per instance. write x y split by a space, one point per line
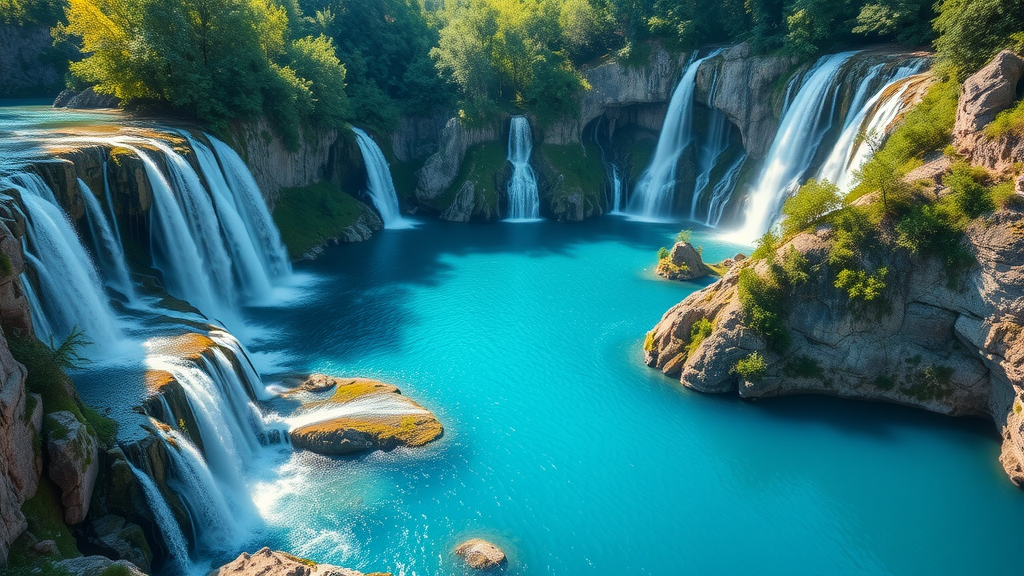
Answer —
562 447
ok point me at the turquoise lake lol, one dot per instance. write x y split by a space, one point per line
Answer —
561 446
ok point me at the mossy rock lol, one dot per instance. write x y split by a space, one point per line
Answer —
572 180
311 216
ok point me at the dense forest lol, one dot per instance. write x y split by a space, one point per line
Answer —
375 60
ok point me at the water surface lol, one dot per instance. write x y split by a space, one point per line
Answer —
562 447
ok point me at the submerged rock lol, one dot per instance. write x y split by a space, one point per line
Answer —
74 463
98 566
267 562
684 262
360 416
480 554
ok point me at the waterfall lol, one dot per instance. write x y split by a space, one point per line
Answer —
616 183
107 245
523 196
723 191
177 546
214 513
253 209
70 290
381 187
803 126
863 129
654 192
252 277
716 144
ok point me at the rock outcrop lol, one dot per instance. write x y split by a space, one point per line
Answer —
267 562
949 344
442 168
683 262
20 464
87 99
363 415
984 95
480 554
98 566
73 462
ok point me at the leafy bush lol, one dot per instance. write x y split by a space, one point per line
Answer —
1007 122
809 205
862 285
684 236
967 194
762 299
972 31
662 253
751 368
700 330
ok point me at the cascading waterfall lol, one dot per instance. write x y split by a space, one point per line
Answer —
616 183
253 209
716 144
381 186
177 546
253 279
654 192
803 126
864 129
523 195
107 246
71 291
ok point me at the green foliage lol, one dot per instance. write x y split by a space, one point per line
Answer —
311 215
116 570
809 205
862 285
794 268
803 367
907 21
972 31
214 60
45 517
762 299
930 383
21 12
684 236
967 194
662 253
766 246
752 368
1010 121
700 330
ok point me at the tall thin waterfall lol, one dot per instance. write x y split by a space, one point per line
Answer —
803 126
654 192
866 128
107 245
716 143
378 179
617 190
71 292
523 196
177 546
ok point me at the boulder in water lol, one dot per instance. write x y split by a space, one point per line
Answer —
480 554
683 263
267 562
360 416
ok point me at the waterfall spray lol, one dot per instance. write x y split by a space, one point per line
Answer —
379 182
523 196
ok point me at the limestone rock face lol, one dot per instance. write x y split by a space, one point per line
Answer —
442 168
683 263
117 538
745 92
363 415
461 209
983 96
20 466
614 85
74 463
25 69
267 562
480 554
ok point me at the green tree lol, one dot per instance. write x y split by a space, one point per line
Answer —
806 208
972 31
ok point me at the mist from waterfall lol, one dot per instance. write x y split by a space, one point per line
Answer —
523 196
379 183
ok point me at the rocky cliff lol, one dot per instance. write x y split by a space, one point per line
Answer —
29 64
946 343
